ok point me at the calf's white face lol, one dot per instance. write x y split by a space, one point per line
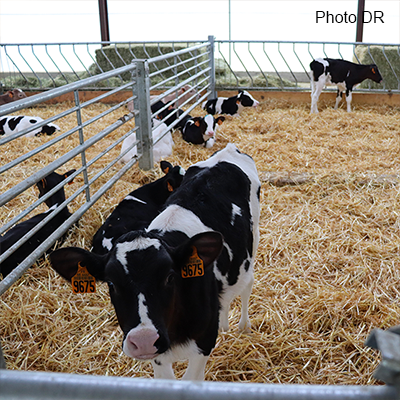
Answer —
211 127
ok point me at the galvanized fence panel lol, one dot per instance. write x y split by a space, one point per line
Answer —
22 162
284 65
139 84
252 65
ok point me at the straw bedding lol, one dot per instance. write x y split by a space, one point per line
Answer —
327 269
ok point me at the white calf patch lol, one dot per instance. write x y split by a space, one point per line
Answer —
145 321
174 218
140 243
323 62
107 243
236 210
134 198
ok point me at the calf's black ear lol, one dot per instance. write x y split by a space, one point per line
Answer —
68 173
208 246
165 166
65 262
220 120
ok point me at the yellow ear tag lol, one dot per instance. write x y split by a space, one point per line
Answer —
83 282
194 266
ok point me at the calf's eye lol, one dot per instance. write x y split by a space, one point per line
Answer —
170 280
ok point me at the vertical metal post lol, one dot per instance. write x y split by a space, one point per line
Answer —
81 141
104 29
2 361
230 33
213 93
360 17
196 70
176 78
143 120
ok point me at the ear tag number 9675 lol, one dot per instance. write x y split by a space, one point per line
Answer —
194 267
83 281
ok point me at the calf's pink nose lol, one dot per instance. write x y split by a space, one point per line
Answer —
140 343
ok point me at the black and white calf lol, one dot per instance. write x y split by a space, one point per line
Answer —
14 124
18 231
138 208
345 74
232 105
199 130
172 283
162 141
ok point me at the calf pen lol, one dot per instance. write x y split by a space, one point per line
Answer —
287 272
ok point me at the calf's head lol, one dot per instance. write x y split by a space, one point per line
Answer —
50 182
375 75
152 285
208 125
173 175
246 99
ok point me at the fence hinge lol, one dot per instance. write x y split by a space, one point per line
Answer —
388 343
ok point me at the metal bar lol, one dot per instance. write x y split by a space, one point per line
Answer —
182 73
51 94
211 50
29 234
104 28
15 65
298 58
273 66
34 205
279 50
241 62
47 385
81 142
143 121
228 64
63 135
83 65
55 64
20 187
2 361
178 53
6 283
175 65
69 65
360 20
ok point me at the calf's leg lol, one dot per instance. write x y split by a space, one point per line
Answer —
196 367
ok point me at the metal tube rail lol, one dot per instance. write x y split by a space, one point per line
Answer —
6 283
176 53
52 93
60 386
180 73
28 182
85 187
176 65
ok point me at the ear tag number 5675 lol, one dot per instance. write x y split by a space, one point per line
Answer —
83 281
194 266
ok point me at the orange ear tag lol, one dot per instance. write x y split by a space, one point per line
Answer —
194 266
83 282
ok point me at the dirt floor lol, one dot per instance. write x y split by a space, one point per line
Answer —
327 270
